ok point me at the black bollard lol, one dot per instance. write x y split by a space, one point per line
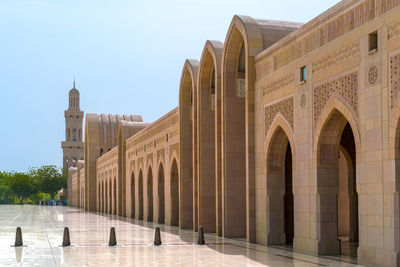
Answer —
66 241
200 238
113 239
18 237
157 237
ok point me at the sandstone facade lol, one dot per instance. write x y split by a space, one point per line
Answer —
284 134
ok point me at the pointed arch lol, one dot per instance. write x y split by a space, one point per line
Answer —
336 121
161 192
279 122
394 134
242 43
208 85
149 193
188 138
133 194
394 157
336 104
140 194
280 153
115 202
175 193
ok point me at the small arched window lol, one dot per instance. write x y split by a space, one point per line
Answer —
74 135
212 91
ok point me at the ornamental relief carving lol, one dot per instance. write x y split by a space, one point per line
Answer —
372 74
336 57
278 84
393 31
346 87
285 107
394 79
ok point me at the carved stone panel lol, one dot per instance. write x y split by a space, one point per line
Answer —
336 57
346 87
394 79
372 74
285 107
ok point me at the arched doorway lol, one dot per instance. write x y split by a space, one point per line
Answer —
99 197
140 195
234 136
102 196
280 209
150 195
110 207
133 200
115 196
336 185
174 194
207 105
161 195
106 193
188 141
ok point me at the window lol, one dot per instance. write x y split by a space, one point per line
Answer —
303 74
373 42
213 91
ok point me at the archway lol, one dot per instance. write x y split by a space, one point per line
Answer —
174 194
99 197
234 136
188 141
280 209
150 195
103 197
161 195
106 199
208 106
115 196
336 185
110 207
140 195
133 200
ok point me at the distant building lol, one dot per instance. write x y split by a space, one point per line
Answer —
73 145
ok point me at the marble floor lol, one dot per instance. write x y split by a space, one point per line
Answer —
42 232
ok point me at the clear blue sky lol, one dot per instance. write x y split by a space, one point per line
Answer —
127 56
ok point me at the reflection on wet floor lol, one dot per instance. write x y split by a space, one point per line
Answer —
43 227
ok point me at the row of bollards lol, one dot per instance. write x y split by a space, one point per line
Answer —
112 241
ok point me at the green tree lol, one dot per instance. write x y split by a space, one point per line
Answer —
6 194
21 185
48 179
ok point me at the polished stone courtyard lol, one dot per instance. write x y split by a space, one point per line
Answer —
42 231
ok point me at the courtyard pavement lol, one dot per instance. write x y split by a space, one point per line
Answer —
42 232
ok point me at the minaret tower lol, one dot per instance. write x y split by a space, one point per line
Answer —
73 144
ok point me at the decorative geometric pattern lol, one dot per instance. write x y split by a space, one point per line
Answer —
280 83
345 87
394 31
372 74
285 107
394 79
336 57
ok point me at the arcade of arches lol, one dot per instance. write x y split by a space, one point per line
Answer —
285 134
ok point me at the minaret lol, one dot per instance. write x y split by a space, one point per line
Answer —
73 144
